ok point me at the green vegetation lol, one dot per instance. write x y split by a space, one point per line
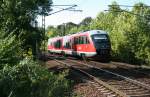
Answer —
23 77
20 76
19 17
10 51
129 32
28 79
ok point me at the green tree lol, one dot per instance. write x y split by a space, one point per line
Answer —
10 50
86 21
19 16
60 30
114 8
130 36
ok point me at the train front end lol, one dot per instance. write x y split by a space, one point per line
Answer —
102 45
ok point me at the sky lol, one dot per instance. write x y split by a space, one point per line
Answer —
90 8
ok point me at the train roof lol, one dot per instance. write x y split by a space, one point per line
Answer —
97 32
90 32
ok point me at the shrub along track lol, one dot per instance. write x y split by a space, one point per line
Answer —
108 83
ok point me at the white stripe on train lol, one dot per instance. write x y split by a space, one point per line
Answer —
87 54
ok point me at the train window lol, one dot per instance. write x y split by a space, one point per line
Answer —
100 38
75 40
80 40
60 43
57 44
83 40
86 40
67 45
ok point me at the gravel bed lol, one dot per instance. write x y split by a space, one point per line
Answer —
82 89
87 90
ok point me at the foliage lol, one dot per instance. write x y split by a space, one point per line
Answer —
129 35
114 8
28 79
19 16
19 34
10 51
85 21
51 31
60 30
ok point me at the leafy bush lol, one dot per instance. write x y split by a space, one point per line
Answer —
28 79
10 51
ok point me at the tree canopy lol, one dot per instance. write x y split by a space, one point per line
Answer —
19 17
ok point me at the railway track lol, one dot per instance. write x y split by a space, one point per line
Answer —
104 89
113 84
133 72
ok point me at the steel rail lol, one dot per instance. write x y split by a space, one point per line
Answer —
132 66
126 78
121 94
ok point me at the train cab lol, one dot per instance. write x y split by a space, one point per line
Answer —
101 43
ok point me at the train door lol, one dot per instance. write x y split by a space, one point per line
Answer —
86 44
86 47
74 46
82 46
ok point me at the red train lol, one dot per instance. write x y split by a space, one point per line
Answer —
94 43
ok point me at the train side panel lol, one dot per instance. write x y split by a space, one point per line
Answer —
84 45
94 43
55 45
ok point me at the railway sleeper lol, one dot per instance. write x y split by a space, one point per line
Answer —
112 95
130 88
138 93
109 94
127 87
103 90
141 95
120 84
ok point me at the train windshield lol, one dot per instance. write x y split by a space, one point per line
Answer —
100 38
101 41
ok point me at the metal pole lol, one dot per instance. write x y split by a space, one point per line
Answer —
43 28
